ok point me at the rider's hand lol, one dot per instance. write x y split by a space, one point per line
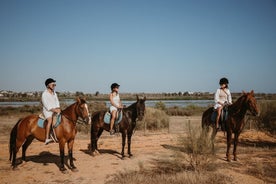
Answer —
57 110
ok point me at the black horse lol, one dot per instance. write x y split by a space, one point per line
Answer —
126 126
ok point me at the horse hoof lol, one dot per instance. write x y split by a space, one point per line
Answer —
93 154
74 169
15 168
97 152
63 170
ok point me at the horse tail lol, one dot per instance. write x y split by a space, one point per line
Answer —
206 117
13 136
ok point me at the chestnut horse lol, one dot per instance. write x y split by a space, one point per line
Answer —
26 129
235 121
126 126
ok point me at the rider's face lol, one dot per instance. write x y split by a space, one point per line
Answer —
223 85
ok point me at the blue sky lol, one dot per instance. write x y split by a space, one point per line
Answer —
144 45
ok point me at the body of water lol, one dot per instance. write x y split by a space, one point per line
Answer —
149 103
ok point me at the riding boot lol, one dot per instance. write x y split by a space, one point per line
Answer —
112 132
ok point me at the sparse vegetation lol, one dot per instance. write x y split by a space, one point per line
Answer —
192 162
154 119
267 117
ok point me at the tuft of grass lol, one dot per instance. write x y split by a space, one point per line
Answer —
199 150
154 119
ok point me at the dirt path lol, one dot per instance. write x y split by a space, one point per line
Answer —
42 161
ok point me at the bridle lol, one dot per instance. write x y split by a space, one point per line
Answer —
77 109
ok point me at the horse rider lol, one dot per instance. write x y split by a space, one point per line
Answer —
116 104
51 106
222 98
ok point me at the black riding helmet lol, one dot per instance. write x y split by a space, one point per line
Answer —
114 85
48 81
223 81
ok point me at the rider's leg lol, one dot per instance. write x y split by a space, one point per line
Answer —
218 116
48 126
113 117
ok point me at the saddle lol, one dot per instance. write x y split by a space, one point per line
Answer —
222 119
42 122
107 117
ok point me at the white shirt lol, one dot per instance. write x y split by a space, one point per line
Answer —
49 101
116 101
222 96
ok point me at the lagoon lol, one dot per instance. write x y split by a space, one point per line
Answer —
149 103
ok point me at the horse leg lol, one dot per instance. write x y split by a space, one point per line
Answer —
213 136
229 141
236 138
98 136
70 153
92 141
123 144
61 151
26 144
129 145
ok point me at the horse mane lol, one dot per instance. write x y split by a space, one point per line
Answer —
238 107
78 100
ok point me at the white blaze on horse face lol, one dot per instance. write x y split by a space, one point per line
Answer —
86 107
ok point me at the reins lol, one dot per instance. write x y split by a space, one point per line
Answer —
70 119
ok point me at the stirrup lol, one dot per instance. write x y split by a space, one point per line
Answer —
47 141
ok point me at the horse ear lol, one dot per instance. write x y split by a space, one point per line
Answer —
137 97
78 99
252 92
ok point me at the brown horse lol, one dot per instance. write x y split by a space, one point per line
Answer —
235 121
26 129
126 126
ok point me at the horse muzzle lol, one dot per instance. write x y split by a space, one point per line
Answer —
87 120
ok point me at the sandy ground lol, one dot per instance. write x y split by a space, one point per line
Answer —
256 150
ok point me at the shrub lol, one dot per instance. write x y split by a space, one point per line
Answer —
160 105
185 111
154 119
267 117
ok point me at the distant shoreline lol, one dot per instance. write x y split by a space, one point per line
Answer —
36 96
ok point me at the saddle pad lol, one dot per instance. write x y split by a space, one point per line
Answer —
107 117
223 116
40 122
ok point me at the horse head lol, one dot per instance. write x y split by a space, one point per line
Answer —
251 102
140 108
82 110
